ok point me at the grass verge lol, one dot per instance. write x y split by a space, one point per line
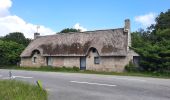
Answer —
18 90
76 70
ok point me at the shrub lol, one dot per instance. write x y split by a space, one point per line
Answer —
75 68
131 67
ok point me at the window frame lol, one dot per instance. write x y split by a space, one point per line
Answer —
34 59
96 60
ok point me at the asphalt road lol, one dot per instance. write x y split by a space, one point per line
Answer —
74 86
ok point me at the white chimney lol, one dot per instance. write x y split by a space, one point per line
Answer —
128 30
36 35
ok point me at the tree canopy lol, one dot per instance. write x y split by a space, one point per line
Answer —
17 37
9 52
154 46
67 30
11 47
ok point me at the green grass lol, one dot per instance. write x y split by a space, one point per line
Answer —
18 90
76 70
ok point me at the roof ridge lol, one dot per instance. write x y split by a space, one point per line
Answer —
81 32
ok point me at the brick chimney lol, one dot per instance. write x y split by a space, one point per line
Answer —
36 35
128 30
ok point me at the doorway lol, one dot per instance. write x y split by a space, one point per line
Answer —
49 61
82 63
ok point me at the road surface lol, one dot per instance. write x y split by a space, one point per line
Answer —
75 86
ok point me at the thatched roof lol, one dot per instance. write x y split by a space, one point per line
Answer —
112 42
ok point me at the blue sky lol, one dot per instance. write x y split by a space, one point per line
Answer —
55 15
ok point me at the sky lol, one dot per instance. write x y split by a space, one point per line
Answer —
51 16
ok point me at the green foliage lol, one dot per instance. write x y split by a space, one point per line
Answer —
11 47
154 46
67 30
17 90
131 67
17 37
9 52
50 68
163 34
163 21
76 68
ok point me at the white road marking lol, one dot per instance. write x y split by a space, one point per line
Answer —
21 77
6 78
93 83
130 79
12 77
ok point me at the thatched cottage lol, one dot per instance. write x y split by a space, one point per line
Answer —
100 50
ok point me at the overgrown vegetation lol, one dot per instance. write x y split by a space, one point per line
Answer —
17 90
9 52
68 30
153 45
131 67
11 47
17 37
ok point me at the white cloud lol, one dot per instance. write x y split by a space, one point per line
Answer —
146 20
16 24
12 23
4 6
78 26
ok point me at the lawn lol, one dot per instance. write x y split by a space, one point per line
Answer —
18 90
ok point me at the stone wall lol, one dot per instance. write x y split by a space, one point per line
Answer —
66 61
58 61
28 61
116 63
72 61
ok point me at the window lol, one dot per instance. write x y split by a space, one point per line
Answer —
93 50
96 60
34 59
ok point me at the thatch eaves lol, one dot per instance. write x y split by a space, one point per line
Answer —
112 42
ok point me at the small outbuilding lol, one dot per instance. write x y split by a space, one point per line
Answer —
100 50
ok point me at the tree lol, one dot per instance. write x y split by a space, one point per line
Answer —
67 30
9 52
163 21
17 37
153 45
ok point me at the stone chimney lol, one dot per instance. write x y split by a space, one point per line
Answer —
128 30
36 35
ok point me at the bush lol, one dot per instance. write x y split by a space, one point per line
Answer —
76 68
9 52
63 68
131 67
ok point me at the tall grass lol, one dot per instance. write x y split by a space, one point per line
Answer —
18 90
